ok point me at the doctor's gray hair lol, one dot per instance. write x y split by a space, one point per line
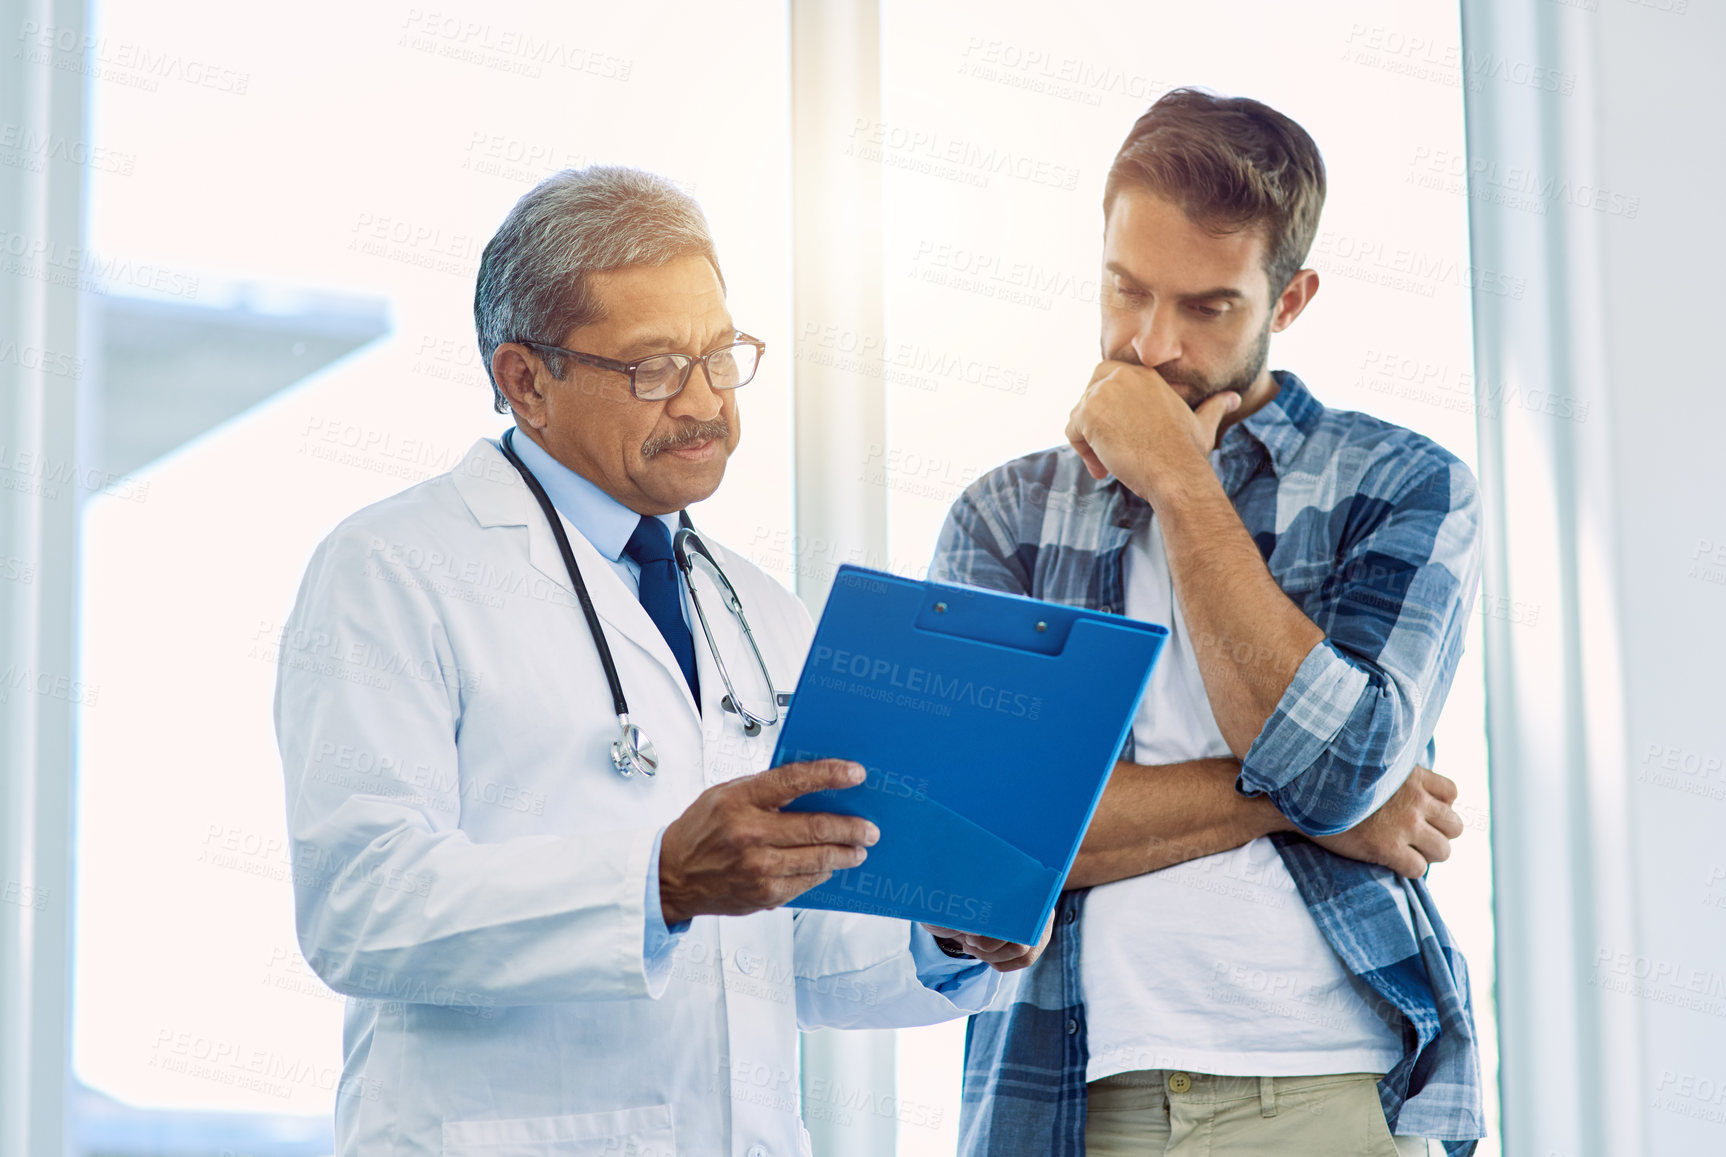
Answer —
533 277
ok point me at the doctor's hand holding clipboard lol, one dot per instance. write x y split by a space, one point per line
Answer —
733 852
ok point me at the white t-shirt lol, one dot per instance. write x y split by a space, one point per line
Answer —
1214 965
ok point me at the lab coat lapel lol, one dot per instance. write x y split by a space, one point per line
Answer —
494 491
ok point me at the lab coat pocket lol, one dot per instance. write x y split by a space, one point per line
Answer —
642 1132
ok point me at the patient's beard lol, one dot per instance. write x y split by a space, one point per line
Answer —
1195 387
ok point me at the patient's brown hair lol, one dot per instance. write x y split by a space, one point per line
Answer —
1230 163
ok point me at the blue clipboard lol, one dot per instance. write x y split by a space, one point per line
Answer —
988 725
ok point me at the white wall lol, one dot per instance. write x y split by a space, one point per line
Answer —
41 492
1608 739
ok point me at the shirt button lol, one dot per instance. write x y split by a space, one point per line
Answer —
746 964
1072 1026
1179 1082
1108 610
1072 915
757 1151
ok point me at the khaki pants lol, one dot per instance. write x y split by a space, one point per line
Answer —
1175 1114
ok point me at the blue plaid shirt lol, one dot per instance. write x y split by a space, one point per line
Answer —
1374 532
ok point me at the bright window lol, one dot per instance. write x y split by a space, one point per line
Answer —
317 193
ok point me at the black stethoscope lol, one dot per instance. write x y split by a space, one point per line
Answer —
632 751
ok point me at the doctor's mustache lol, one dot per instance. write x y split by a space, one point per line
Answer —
691 435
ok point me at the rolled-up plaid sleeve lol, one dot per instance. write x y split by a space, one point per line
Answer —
1365 700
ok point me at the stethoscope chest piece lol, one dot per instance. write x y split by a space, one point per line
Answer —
632 751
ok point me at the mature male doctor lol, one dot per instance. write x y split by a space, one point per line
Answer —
544 955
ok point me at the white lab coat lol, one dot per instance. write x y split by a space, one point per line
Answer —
471 871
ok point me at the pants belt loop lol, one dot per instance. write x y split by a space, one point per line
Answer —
1267 1097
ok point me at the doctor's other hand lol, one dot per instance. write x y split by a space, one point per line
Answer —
1001 955
1413 828
734 852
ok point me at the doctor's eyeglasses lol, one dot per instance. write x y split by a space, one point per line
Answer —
662 376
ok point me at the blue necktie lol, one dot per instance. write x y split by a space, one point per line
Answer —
662 593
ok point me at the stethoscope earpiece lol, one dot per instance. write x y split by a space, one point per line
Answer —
751 725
